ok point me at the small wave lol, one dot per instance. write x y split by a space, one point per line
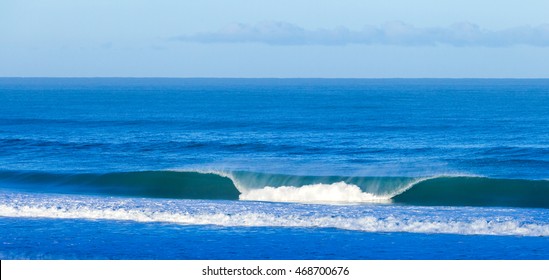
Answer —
367 223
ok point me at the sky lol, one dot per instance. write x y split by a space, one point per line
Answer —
279 39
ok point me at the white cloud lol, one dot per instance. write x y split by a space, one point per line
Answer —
392 33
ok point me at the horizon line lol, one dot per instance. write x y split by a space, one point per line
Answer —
274 78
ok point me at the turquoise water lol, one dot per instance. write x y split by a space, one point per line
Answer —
387 169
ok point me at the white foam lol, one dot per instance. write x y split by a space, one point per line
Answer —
367 223
339 192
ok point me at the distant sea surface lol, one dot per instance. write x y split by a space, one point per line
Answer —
105 168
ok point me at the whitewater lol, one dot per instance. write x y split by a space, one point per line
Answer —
368 218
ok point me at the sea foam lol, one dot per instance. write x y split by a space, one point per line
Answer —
367 218
339 192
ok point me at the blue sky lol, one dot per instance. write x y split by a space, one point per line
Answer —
370 39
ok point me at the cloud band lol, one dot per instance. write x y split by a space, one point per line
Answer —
392 33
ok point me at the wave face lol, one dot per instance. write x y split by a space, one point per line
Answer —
441 190
477 191
159 184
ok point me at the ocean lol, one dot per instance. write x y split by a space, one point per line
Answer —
162 168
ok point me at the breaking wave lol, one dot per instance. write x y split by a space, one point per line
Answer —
437 190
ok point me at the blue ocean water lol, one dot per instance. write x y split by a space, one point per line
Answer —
274 168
